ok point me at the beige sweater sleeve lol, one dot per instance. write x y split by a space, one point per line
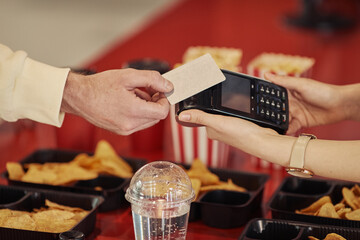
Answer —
30 89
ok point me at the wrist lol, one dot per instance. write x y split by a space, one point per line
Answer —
351 101
71 93
278 149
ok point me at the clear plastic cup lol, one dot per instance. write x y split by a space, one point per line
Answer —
160 194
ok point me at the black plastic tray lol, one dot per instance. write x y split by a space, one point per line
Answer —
297 193
269 229
229 209
112 188
18 198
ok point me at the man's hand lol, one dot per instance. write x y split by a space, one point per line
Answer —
122 101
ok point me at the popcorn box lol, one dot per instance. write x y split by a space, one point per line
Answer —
280 64
225 58
190 143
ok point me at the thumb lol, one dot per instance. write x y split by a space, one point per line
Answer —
196 117
149 79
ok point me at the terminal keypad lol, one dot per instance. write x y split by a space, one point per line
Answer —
270 103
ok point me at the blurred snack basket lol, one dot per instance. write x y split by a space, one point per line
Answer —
280 64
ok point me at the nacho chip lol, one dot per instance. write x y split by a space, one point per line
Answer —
328 210
36 175
105 151
313 238
354 215
196 184
15 170
53 214
343 211
56 218
66 173
200 171
55 226
334 236
339 206
356 190
349 198
229 186
23 221
4 214
316 205
83 160
53 205
115 167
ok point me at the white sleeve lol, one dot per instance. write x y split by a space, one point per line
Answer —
30 89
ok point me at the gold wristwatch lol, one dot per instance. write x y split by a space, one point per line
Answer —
297 158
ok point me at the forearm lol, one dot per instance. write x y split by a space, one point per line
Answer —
327 158
351 101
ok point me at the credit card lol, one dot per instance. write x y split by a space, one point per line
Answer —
192 78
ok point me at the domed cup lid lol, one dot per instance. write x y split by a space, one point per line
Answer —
160 181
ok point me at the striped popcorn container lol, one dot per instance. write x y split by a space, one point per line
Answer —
190 143
279 64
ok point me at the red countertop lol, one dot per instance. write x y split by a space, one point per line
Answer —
254 26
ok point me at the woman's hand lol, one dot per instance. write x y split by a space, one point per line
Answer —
311 103
233 131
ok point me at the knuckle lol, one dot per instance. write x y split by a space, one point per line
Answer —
127 127
164 113
198 119
154 74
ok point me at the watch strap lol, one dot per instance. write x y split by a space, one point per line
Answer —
297 158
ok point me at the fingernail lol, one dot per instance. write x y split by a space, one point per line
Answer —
184 117
168 86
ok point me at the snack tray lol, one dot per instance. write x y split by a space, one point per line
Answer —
297 193
112 188
230 209
269 229
25 199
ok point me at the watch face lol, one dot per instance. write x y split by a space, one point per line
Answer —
299 172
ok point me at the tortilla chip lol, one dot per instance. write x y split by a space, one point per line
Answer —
354 215
23 221
349 198
328 210
313 238
104 150
200 171
15 170
334 236
53 205
196 184
316 205
229 186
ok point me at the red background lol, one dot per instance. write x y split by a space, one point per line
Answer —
252 25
